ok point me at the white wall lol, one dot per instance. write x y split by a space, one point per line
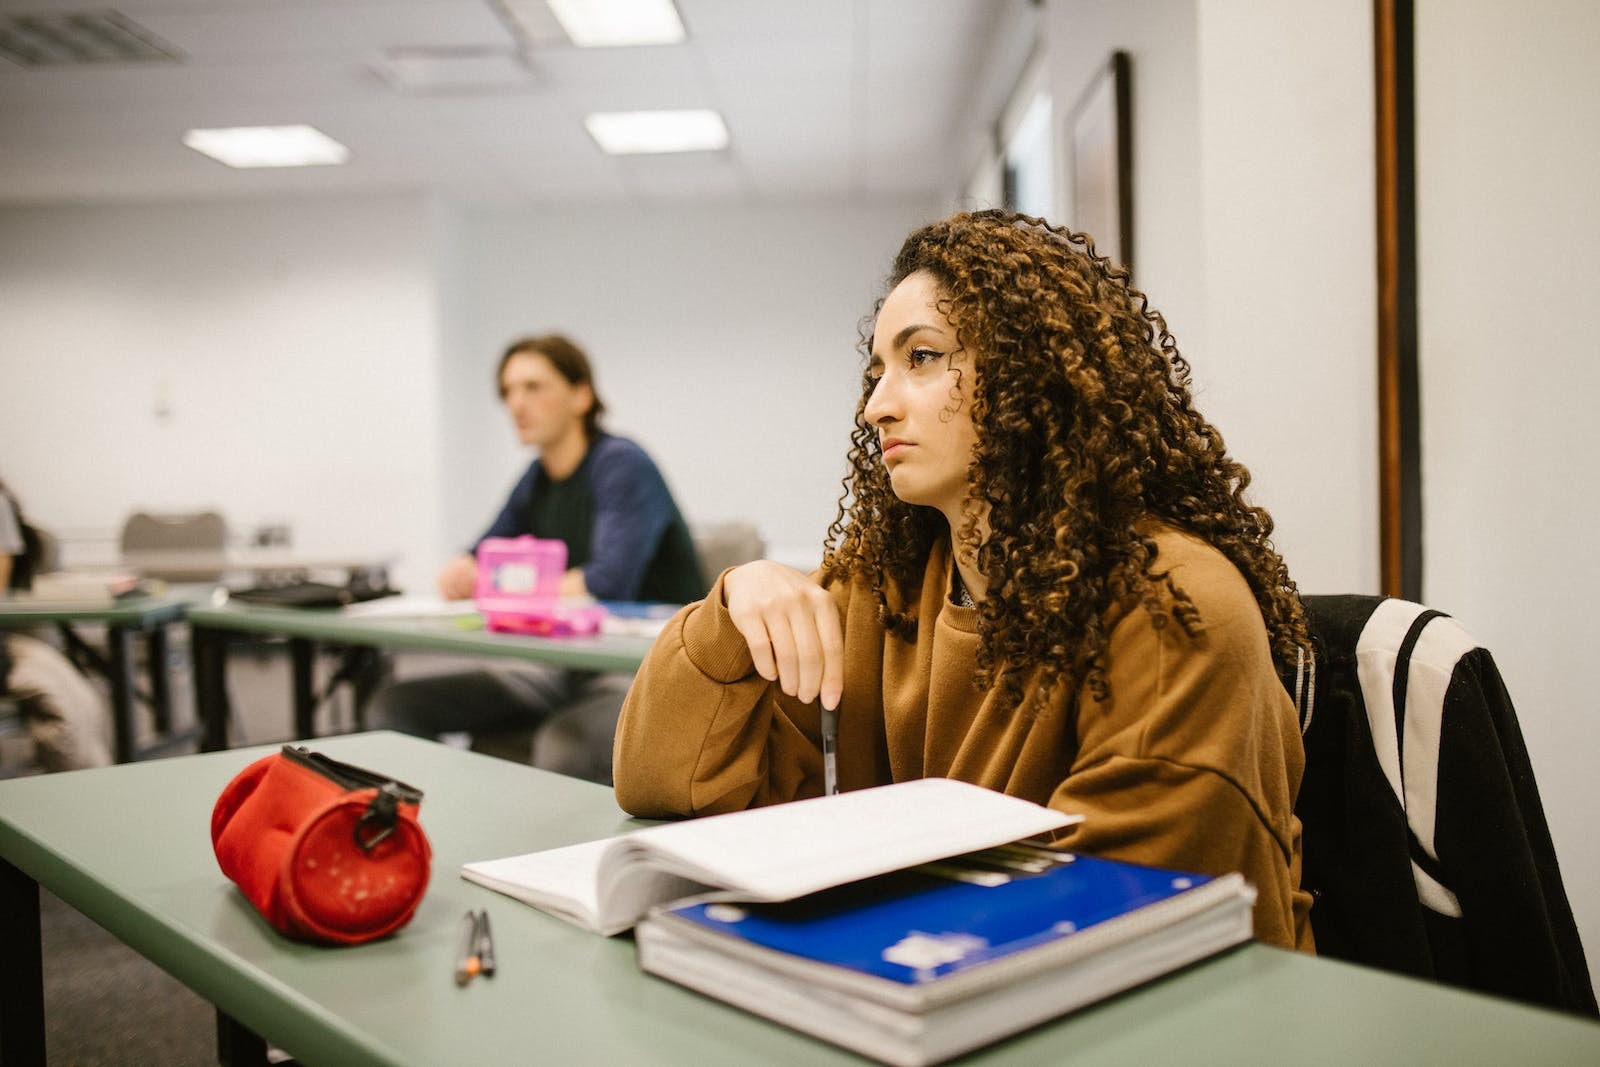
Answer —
1159 35
1253 175
1254 222
1287 178
330 363
1508 164
274 360
723 340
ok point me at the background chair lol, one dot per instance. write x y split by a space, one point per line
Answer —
1424 842
14 730
726 544
43 555
200 532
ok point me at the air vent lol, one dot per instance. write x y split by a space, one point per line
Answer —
453 70
63 39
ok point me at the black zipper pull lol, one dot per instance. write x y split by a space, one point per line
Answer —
378 821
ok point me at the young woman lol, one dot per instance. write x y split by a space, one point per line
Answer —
1044 579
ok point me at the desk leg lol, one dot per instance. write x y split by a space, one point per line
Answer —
159 668
22 977
120 642
371 675
238 1046
209 651
303 658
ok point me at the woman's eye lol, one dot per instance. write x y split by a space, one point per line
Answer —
921 356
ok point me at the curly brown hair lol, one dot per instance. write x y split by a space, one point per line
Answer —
1086 432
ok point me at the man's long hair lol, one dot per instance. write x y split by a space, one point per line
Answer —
569 361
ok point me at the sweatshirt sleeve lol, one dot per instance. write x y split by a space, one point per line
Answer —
1194 761
702 733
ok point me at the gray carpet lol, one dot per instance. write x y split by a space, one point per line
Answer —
106 1006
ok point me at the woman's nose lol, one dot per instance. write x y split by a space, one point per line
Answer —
882 404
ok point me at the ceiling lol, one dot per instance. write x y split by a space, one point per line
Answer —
823 98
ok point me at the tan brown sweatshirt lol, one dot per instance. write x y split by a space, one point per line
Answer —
1192 762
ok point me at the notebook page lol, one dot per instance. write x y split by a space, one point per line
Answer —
788 850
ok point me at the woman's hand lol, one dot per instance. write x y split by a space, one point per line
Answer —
792 627
458 578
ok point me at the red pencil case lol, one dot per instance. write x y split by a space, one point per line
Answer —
325 851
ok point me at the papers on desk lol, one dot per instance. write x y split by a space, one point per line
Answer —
904 921
86 586
623 618
772 853
631 619
411 606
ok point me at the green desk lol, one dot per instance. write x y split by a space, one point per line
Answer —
250 564
129 847
309 629
124 620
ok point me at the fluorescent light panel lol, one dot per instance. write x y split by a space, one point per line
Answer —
615 23
624 133
268 146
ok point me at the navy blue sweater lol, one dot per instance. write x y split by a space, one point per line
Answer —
618 520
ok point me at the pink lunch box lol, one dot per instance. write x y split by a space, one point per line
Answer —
519 589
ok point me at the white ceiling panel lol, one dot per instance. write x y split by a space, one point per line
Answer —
822 98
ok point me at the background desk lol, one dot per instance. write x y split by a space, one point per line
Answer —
309 629
123 620
210 565
129 847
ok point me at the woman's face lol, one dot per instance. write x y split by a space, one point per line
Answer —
921 402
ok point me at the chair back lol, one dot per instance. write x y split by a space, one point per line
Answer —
1425 845
146 532
726 544
201 531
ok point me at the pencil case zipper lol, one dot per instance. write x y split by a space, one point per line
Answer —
348 776
382 814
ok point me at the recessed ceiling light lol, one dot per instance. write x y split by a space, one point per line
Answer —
614 23
268 146
633 132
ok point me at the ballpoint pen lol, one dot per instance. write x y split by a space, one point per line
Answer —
485 945
830 753
468 963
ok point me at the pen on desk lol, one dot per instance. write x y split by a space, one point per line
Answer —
467 962
485 946
830 753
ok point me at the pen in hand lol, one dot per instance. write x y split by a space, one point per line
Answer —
830 752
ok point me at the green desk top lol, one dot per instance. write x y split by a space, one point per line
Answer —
446 635
129 846
24 610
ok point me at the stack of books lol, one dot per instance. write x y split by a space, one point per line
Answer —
908 922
